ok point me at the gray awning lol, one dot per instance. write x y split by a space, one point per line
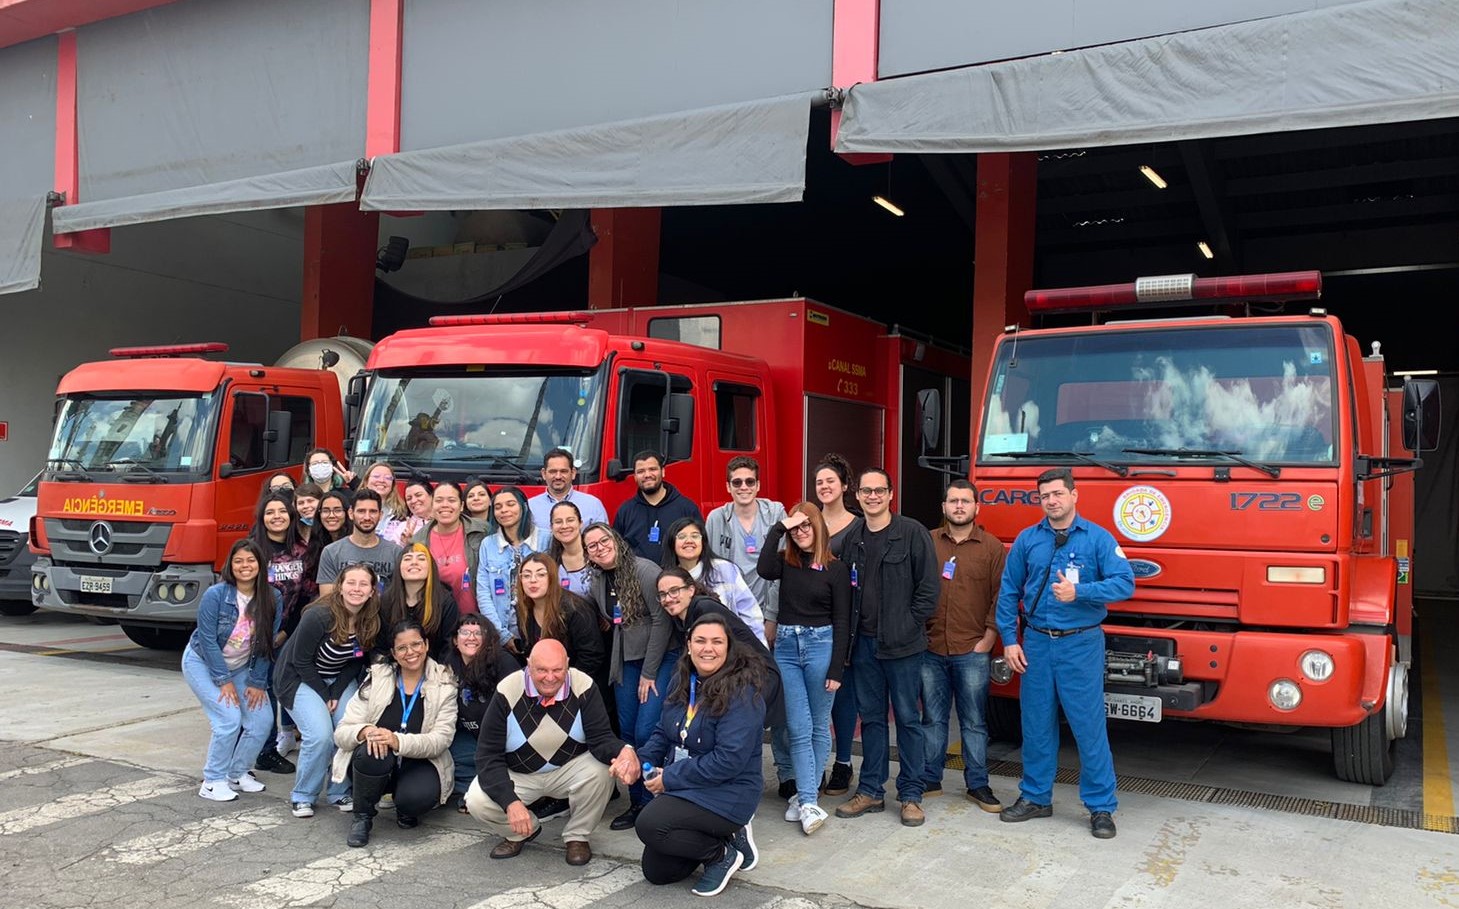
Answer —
1380 61
734 153
27 148
310 186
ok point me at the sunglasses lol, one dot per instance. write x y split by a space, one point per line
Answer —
742 482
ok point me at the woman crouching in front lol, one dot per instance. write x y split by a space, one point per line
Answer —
708 743
404 716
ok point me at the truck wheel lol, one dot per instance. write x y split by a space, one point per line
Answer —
1005 723
1363 753
157 638
16 607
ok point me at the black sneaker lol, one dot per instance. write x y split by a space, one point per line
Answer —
1023 810
787 789
984 798
932 790
1101 825
744 840
406 821
547 808
271 761
840 782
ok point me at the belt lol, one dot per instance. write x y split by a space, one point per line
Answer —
1062 632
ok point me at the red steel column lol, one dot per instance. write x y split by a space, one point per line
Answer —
855 42
1004 245
68 171
623 266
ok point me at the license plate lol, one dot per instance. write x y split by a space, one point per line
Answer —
1131 707
95 585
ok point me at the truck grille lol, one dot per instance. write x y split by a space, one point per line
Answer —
10 546
134 544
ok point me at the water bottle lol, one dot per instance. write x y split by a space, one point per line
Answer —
650 771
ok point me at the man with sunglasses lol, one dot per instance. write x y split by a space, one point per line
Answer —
1064 570
894 589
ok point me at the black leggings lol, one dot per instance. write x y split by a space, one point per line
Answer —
679 836
416 783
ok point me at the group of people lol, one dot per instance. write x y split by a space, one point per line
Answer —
520 657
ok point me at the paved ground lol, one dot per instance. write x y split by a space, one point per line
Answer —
99 756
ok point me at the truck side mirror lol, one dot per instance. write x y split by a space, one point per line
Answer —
1421 415
929 418
279 436
679 428
616 470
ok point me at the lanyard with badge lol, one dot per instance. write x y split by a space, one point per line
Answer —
408 704
681 750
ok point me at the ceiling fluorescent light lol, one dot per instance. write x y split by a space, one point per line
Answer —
1153 177
1205 249
889 205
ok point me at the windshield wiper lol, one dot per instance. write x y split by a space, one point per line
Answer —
1233 456
79 475
506 461
130 468
1119 469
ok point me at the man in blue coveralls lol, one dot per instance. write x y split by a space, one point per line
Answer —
1065 570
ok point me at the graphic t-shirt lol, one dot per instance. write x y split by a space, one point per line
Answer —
240 639
383 557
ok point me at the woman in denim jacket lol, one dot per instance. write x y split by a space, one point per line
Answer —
512 539
227 664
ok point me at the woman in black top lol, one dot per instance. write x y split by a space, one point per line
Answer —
833 480
810 645
416 592
480 662
546 610
289 565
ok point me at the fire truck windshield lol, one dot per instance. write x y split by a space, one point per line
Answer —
489 422
148 435
1163 392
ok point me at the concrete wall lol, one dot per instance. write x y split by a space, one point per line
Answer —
231 278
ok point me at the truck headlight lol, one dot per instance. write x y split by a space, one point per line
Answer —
179 592
160 593
1284 694
1317 665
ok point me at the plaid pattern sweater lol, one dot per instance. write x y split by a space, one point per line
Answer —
521 735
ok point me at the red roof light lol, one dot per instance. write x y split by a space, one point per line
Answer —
1176 289
515 318
170 350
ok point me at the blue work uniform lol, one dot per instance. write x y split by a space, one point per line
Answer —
1064 669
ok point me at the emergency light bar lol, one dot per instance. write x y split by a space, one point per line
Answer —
516 318
1163 290
170 350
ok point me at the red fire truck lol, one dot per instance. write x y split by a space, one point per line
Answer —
784 381
156 465
1250 469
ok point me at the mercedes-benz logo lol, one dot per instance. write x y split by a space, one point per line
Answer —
100 538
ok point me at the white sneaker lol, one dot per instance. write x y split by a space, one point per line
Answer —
246 783
344 803
811 818
302 809
287 741
792 809
387 802
216 791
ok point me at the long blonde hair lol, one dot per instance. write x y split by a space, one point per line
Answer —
391 501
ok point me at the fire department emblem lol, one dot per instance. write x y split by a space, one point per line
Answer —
1142 513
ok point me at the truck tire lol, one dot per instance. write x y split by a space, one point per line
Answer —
1005 723
157 638
16 607
1363 753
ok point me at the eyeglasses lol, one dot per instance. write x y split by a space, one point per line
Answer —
415 647
332 511
672 592
873 492
742 482
469 634
687 537
805 527
599 545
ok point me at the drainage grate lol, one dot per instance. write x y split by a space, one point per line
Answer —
1363 814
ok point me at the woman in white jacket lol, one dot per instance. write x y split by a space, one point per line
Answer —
396 734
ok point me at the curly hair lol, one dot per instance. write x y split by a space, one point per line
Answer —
623 575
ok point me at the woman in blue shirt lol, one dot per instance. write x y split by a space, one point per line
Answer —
512 538
227 664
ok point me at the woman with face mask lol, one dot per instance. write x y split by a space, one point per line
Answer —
512 538
321 467
396 734
319 672
689 549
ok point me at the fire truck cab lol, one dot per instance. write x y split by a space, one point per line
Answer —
1250 468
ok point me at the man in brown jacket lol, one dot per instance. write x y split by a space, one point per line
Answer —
960 637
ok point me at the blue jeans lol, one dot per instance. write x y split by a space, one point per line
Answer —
316 750
897 682
463 753
843 715
804 655
238 730
1066 672
637 722
962 680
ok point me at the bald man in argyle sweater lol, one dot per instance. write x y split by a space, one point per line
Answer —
546 733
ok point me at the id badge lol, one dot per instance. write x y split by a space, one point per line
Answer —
1071 574
359 653
499 587
681 753
948 568
653 534
750 548
854 580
